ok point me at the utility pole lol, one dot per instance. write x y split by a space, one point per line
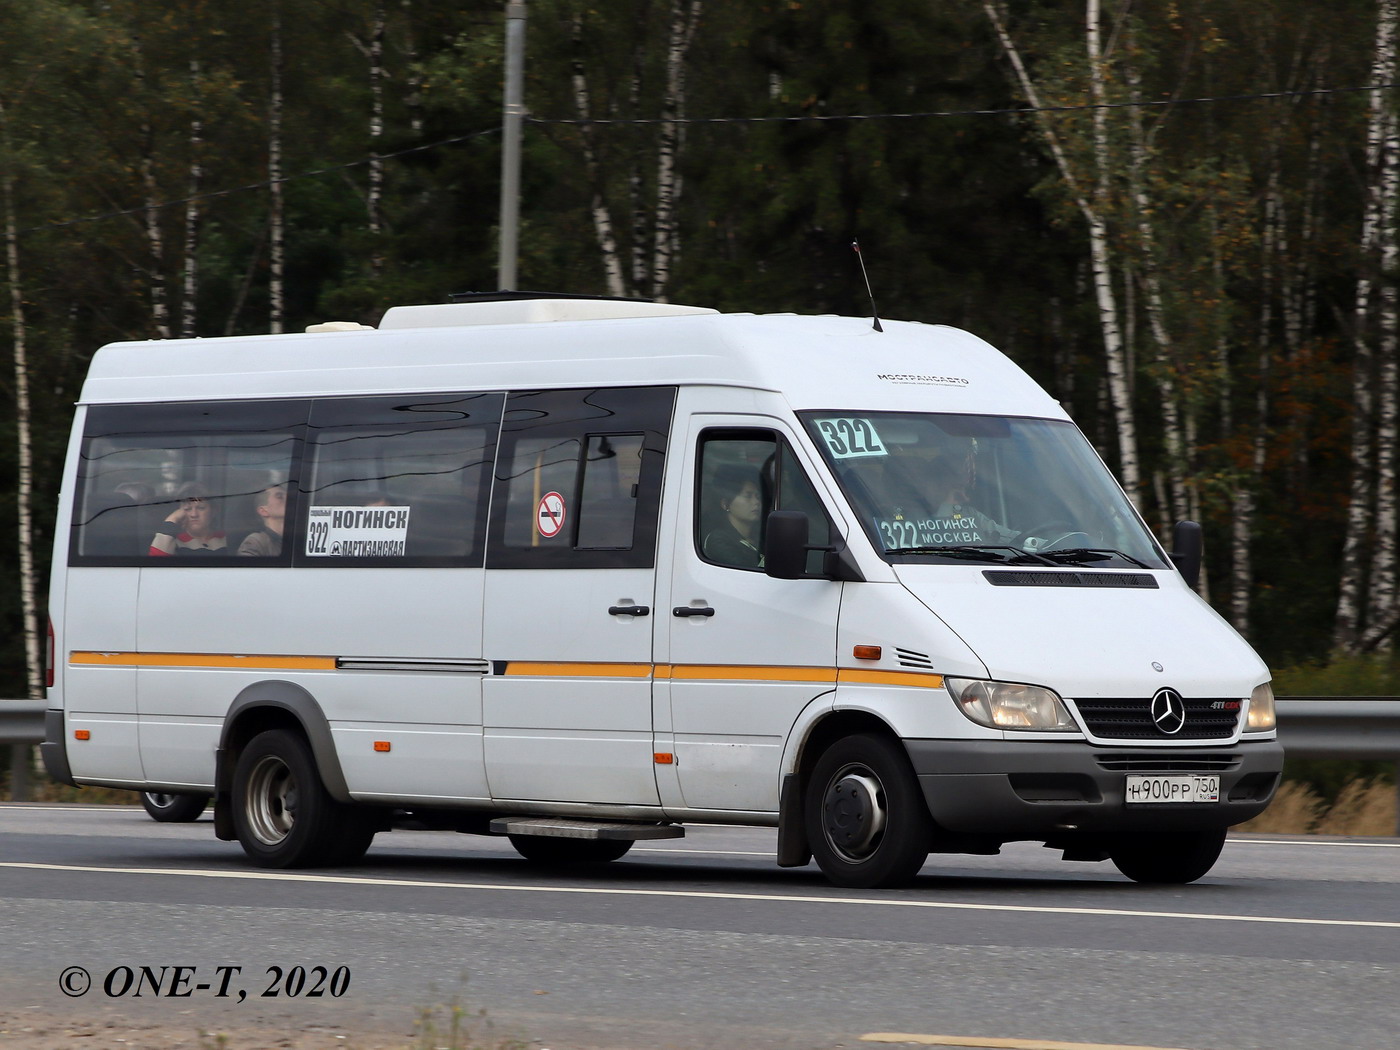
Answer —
513 116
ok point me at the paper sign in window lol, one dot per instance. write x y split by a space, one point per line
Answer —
356 532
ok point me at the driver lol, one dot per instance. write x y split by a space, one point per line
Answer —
956 520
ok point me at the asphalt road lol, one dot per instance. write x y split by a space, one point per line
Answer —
1289 944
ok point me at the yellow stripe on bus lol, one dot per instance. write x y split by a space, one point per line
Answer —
748 673
235 661
868 677
546 669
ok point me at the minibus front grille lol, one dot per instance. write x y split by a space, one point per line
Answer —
1024 578
1128 762
1131 719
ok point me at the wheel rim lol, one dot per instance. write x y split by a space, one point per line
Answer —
854 813
160 799
271 801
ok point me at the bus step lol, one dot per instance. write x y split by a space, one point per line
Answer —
563 828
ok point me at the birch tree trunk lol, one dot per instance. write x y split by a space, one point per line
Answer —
1094 212
685 14
602 214
1382 574
155 241
24 497
190 294
1348 624
276 233
376 134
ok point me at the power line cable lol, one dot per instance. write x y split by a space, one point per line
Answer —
1009 111
793 118
229 191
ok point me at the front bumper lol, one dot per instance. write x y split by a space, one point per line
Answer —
1011 790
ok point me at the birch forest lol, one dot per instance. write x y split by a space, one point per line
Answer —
1180 216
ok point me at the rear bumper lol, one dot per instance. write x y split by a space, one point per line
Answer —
1038 790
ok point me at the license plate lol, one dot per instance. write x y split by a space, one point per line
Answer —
1173 789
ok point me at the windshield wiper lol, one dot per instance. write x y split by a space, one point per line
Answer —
987 553
1079 555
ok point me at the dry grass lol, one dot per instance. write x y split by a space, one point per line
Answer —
1362 807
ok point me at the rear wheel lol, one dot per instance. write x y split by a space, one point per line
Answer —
282 813
866 818
172 808
549 849
1175 857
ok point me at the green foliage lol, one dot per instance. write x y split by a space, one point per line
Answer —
962 214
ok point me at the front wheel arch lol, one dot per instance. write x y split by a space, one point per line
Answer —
864 813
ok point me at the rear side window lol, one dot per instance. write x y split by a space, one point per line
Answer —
578 481
186 484
399 481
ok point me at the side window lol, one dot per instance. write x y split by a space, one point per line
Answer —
742 476
578 480
181 484
398 481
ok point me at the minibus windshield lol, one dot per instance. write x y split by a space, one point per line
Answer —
959 488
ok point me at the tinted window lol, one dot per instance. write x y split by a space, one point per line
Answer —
743 475
578 482
182 484
399 480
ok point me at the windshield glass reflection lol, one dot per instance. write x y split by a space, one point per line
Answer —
981 488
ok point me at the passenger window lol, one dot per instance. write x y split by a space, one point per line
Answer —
182 484
578 481
743 475
399 481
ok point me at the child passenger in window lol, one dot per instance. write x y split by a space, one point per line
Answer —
191 528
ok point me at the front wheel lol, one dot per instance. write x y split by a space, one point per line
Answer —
172 808
1172 858
551 850
282 813
866 818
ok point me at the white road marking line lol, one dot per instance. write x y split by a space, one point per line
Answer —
995 1044
1311 844
781 898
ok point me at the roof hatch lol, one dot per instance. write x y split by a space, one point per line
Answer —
528 308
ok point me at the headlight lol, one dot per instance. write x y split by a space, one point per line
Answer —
1261 716
1007 705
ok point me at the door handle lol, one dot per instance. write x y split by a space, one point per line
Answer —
690 610
629 610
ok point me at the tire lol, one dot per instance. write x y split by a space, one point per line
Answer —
283 815
866 818
551 850
171 808
1172 858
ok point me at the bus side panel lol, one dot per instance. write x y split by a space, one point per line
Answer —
100 699
297 626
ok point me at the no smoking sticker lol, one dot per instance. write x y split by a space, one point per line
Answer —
549 515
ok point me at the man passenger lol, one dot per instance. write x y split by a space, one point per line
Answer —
272 508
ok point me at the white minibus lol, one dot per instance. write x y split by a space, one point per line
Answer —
582 571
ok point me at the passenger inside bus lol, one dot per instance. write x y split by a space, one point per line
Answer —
734 539
191 528
272 509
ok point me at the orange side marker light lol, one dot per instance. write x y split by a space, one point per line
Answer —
663 758
382 745
867 652
82 734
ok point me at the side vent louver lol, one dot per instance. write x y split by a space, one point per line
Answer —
909 658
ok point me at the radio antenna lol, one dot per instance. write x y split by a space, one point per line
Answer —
873 312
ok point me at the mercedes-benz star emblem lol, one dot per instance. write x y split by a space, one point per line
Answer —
1168 711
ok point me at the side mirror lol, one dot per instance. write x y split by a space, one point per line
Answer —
1186 551
785 544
